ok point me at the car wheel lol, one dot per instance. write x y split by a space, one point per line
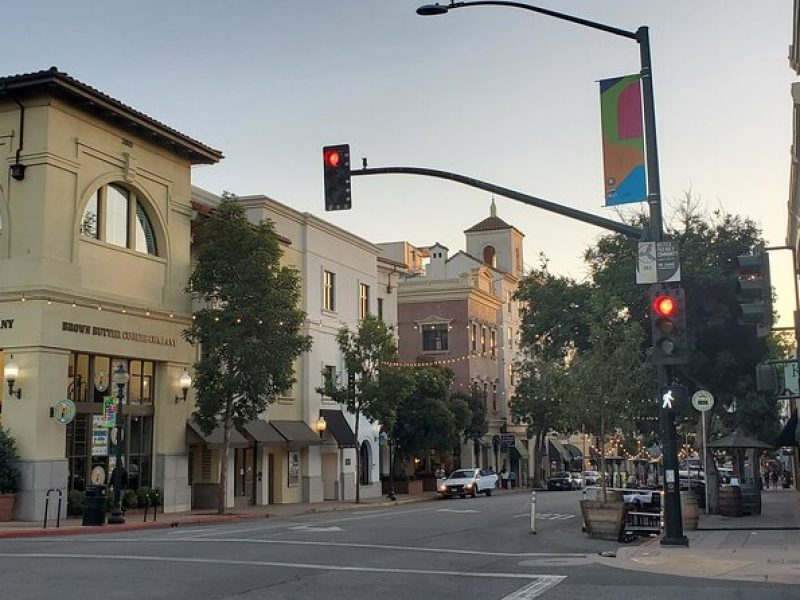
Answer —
475 492
489 492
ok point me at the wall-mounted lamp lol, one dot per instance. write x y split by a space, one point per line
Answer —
322 425
11 372
17 172
185 382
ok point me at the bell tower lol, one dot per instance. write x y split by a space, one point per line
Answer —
496 243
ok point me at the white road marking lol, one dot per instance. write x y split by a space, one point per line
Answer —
536 588
546 516
108 540
544 581
313 528
455 510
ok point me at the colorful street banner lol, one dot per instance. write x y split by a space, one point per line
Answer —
623 140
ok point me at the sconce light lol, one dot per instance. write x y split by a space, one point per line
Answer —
11 372
322 425
185 383
17 171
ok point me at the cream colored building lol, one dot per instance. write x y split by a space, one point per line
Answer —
95 220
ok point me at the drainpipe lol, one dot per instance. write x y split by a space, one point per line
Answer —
18 169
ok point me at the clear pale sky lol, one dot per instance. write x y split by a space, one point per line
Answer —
500 94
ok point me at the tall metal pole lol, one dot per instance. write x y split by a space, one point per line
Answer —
120 378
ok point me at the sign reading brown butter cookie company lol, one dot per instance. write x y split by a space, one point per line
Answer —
117 334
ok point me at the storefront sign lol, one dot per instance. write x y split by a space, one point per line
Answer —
109 412
64 411
99 436
117 334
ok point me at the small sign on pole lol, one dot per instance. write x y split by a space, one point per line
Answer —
703 401
658 262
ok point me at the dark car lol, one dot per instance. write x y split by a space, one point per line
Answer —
560 481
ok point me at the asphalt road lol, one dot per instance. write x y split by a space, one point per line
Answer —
475 548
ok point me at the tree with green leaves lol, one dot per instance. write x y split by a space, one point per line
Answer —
249 326
477 426
364 350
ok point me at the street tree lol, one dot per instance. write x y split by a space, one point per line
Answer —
248 327
364 350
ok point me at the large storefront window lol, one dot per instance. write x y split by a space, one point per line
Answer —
89 442
115 215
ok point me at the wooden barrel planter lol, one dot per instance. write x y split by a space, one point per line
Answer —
730 501
751 500
603 519
689 510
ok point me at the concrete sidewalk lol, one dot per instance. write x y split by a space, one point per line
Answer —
762 547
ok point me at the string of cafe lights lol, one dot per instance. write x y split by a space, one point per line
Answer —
123 309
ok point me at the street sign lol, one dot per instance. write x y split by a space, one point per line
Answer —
507 439
702 400
658 262
99 436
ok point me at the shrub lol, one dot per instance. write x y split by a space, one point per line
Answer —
129 499
75 502
9 473
143 497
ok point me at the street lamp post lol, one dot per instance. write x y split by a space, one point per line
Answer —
120 379
672 503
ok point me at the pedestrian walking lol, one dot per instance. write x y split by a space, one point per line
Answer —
774 477
504 477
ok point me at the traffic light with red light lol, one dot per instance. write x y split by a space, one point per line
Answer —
668 326
336 171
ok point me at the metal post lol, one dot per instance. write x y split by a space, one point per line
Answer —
58 514
116 511
533 512
673 524
705 458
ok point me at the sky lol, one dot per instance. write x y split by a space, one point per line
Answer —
499 94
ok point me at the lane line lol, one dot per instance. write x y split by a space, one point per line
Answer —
327 544
285 565
535 589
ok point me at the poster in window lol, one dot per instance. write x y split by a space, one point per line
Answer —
294 469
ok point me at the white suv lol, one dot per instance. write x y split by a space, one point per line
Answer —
468 481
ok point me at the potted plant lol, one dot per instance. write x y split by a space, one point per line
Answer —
9 474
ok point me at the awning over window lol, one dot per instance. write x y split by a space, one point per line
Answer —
339 428
788 435
520 448
215 438
556 450
574 452
263 433
296 433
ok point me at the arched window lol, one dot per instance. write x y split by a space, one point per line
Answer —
117 216
489 256
366 464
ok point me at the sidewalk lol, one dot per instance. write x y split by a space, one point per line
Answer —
762 547
135 521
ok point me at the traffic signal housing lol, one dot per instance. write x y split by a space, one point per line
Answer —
336 171
668 325
754 292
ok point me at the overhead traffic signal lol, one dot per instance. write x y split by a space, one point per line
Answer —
336 170
754 291
668 326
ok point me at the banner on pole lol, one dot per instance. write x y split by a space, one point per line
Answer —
623 140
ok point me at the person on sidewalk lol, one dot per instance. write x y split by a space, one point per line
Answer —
504 477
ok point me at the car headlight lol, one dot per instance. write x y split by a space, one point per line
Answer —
443 488
470 485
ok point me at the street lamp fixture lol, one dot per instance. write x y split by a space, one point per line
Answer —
120 378
11 373
185 382
672 507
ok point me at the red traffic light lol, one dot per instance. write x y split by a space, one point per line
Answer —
665 306
332 158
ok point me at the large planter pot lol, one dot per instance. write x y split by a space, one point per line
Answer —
6 506
603 520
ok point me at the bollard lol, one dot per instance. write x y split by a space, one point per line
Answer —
533 512
583 521
47 507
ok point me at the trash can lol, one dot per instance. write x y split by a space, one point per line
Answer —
94 505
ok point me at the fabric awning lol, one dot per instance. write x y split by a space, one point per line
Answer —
556 449
788 435
574 452
520 448
296 433
263 433
215 438
339 428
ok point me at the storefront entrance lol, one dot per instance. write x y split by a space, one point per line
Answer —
245 475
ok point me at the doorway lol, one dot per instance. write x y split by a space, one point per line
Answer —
244 480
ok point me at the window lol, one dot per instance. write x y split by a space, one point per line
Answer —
474 337
510 338
483 340
117 216
329 291
434 338
363 300
509 298
329 374
380 308
494 397
489 256
493 349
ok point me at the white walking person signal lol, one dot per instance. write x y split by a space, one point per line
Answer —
667 399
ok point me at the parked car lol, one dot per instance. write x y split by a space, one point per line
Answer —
591 478
468 481
577 480
560 481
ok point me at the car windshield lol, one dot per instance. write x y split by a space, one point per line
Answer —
561 474
462 473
